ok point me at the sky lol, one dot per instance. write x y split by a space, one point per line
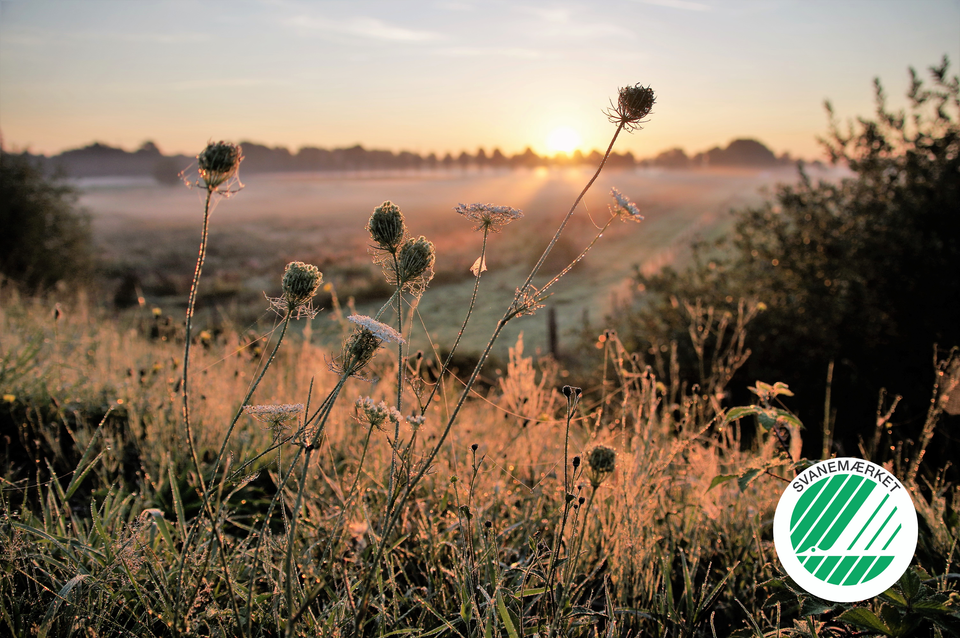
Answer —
451 75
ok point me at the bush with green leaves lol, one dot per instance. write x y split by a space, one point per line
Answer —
856 277
44 238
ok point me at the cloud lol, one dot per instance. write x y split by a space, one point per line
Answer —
509 52
455 6
560 22
363 27
686 5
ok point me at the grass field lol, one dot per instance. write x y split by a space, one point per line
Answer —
613 503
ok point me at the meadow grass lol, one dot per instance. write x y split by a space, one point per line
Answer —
163 480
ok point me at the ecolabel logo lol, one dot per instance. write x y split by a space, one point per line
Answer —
845 530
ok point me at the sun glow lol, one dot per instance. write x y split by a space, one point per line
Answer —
563 140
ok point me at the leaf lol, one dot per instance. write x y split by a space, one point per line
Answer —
738 413
894 597
747 477
767 418
85 465
910 584
719 479
479 266
814 607
783 415
63 596
865 619
782 388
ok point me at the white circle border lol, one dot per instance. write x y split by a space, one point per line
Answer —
907 546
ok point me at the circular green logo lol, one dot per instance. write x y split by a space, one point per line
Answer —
845 529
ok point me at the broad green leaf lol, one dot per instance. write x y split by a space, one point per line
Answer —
747 477
721 478
865 619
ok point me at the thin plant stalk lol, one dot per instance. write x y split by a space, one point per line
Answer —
456 343
512 311
191 303
334 536
307 453
567 499
323 412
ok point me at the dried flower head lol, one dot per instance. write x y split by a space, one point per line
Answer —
602 461
488 216
381 330
275 416
627 210
218 162
527 301
377 413
299 284
359 348
386 227
357 352
633 104
301 281
414 266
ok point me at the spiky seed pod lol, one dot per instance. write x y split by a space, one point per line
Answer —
414 258
602 460
386 227
300 283
633 104
357 351
218 162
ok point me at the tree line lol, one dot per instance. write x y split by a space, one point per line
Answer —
100 160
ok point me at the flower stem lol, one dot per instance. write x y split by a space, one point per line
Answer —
473 301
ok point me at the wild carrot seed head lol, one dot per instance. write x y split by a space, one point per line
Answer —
218 162
633 104
387 227
300 282
415 261
626 209
602 461
488 216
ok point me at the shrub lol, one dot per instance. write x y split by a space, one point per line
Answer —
44 238
855 274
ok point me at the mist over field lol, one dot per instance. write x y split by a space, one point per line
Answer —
148 232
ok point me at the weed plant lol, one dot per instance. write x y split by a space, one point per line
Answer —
158 482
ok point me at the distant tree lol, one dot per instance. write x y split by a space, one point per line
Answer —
44 238
166 171
673 158
527 159
862 273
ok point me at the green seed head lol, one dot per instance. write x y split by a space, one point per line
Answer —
218 162
300 283
386 226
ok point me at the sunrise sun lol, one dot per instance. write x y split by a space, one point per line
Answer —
563 140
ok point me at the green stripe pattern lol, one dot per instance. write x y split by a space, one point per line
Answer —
841 530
